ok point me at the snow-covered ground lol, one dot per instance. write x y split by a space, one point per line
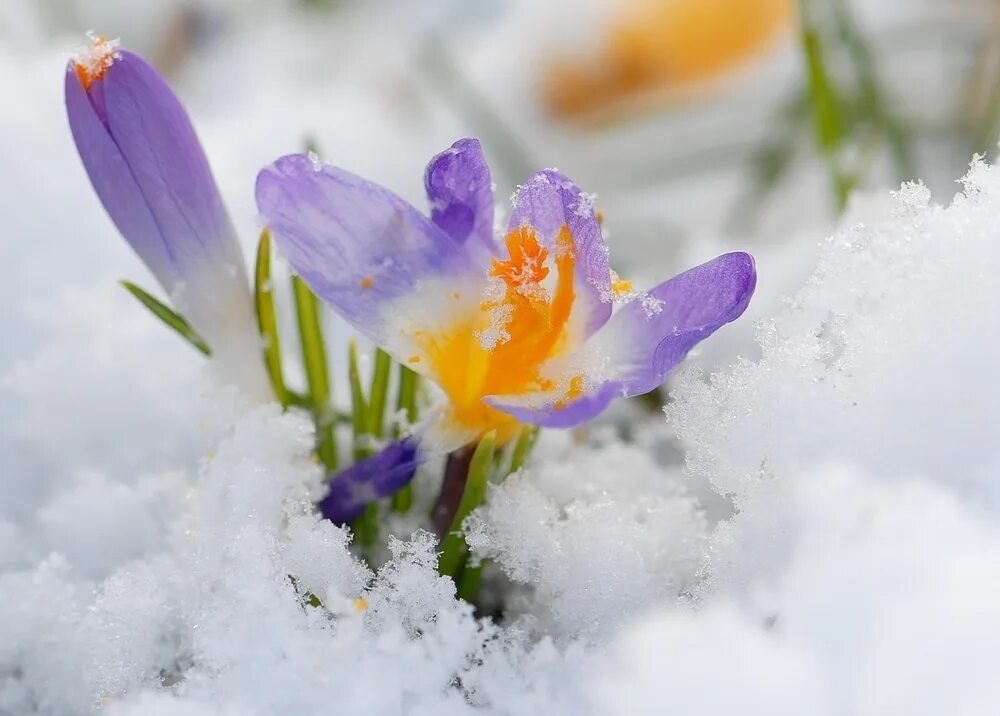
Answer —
814 528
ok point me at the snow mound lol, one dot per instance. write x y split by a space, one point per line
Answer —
847 565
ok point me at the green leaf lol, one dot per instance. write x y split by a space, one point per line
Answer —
317 378
267 319
453 548
169 316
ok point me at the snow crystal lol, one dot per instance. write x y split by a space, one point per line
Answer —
317 163
498 316
651 305
99 55
585 207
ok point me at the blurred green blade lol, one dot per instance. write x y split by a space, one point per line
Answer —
267 319
829 118
169 316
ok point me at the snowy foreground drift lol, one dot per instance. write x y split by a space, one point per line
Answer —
857 573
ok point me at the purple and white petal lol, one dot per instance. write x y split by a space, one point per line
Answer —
460 194
364 482
536 410
360 247
650 335
550 200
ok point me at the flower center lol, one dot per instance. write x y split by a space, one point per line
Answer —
520 324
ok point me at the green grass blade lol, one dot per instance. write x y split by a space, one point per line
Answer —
453 548
406 398
267 319
359 408
406 402
317 377
522 448
366 526
379 393
169 316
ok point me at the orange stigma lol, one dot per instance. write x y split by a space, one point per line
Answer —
502 348
526 264
91 66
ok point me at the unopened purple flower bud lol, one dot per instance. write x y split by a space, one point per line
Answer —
145 162
364 482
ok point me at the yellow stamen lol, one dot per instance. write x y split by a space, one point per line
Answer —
621 287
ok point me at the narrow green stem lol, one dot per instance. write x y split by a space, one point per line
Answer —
317 378
267 320
453 547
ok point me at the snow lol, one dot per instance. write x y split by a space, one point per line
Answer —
813 529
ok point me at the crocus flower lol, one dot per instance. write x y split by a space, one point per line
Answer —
148 168
366 481
513 331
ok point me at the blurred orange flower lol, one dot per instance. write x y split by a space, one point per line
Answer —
656 45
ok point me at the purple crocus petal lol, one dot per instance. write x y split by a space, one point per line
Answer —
551 200
460 193
114 182
358 246
560 415
147 166
649 336
353 489
155 135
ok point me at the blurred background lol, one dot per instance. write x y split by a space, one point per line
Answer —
701 125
